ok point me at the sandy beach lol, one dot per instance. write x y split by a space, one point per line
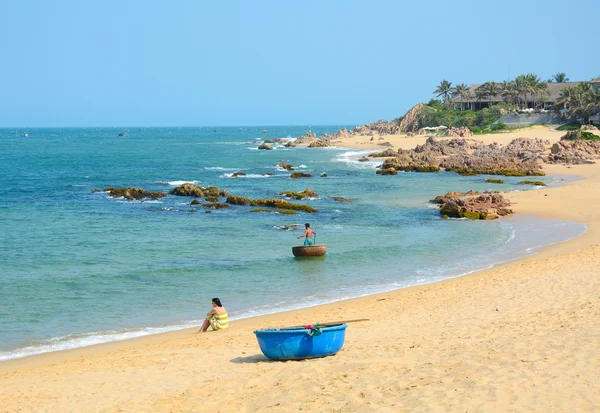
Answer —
520 337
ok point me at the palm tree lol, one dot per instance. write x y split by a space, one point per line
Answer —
490 90
445 90
581 100
560 77
521 88
509 91
461 91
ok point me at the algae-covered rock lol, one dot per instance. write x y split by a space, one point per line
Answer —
387 171
189 189
280 211
494 181
215 205
211 198
239 173
195 202
286 166
486 206
341 199
296 175
307 193
265 146
282 204
536 183
450 195
271 203
237 200
133 193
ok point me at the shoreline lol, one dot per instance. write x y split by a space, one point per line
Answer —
133 333
169 329
504 297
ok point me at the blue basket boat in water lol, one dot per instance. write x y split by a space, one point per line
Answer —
301 343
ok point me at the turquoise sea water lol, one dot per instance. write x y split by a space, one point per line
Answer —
79 268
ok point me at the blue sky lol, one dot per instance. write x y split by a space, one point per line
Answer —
194 63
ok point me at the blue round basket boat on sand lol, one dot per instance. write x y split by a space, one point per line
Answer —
299 344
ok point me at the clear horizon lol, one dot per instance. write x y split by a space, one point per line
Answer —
73 64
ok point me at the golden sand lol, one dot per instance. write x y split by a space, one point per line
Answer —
521 337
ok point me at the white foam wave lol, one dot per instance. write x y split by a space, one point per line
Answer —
219 168
351 158
176 183
251 176
90 339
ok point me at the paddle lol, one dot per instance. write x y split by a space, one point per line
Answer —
329 324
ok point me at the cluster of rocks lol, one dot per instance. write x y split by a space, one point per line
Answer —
575 152
308 137
307 193
527 148
410 162
270 203
296 175
193 190
381 127
341 199
286 166
486 206
491 162
462 132
467 157
442 199
132 193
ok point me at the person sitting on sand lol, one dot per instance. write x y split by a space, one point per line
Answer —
216 318
308 233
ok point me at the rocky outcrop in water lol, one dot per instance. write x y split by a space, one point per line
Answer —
189 189
271 203
296 175
286 166
265 146
307 193
132 193
412 162
441 199
341 199
239 173
486 206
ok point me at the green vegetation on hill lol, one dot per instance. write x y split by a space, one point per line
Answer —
580 136
436 114
569 126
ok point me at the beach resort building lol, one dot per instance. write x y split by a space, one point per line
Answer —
544 101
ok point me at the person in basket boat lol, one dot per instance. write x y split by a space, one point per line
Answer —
308 234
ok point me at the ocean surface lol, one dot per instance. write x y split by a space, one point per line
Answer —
79 268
